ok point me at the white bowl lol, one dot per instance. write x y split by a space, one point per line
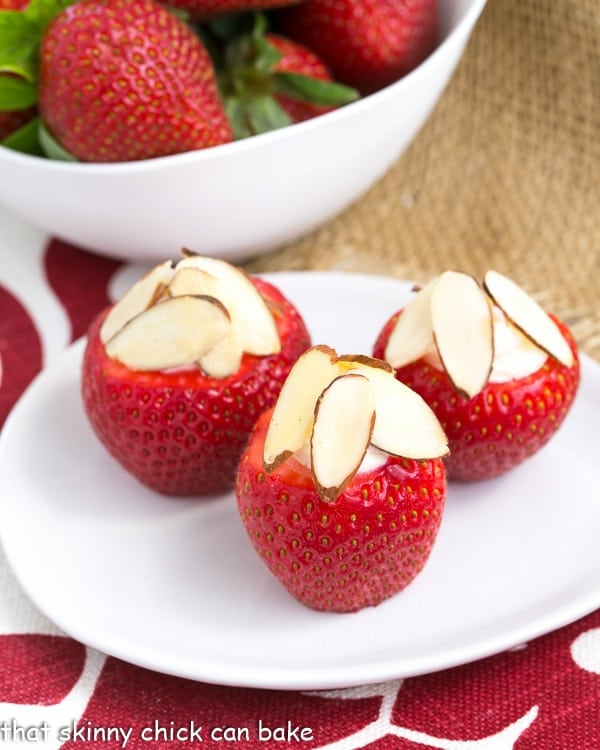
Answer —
244 198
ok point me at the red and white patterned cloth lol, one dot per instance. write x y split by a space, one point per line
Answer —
56 692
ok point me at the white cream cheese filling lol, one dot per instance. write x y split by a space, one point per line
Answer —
373 458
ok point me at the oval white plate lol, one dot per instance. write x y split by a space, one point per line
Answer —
174 585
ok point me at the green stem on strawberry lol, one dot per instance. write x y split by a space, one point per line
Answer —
21 33
16 93
313 90
263 75
50 146
254 115
20 38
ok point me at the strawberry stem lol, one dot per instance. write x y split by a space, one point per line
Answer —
313 90
250 81
50 146
21 34
16 93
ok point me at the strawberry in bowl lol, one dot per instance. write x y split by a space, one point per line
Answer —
367 45
177 372
341 489
499 372
270 81
113 81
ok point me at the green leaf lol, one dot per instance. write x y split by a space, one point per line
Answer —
16 93
19 39
21 34
25 139
237 118
252 115
265 114
259 26
313 90
266 56
51 147
41 12
13 24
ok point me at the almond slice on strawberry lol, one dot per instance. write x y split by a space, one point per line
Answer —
343 524
499 371
176 373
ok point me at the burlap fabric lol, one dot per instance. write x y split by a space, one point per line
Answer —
505 174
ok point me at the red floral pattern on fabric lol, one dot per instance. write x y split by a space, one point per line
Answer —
38 669
80 280
20 351
396 743
480 699
154 706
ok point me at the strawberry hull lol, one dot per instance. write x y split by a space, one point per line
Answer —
505 423
181 432
355 552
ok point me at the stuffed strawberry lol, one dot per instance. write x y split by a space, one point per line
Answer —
177 372
269 81
367 45
499 372
341 489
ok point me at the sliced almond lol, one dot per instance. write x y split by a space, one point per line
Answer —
528 316
249 312
463 331
404 424
224 358
343 423
139 297
412 335
193 281
347 362
292 419
176 332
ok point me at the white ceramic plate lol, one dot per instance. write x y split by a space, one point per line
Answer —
174 585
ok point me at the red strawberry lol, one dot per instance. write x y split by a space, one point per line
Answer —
367 45
270 81
504 422
124 80
177 429
344 547
13 4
